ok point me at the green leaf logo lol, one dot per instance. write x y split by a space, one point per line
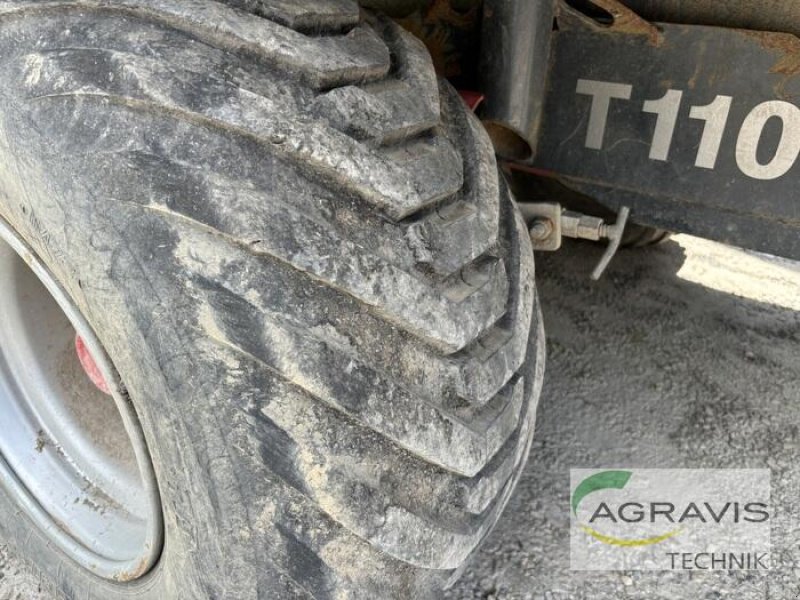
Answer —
599 481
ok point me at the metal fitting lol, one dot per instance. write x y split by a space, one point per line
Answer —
583 227
548 223
544 224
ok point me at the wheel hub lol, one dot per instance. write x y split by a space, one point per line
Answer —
72 452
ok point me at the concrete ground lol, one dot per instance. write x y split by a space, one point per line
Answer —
684 355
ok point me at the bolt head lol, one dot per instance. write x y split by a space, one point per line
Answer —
541 229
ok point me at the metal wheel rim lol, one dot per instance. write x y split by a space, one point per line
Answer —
62 456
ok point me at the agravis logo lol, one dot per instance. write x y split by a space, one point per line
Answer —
611 480
670 519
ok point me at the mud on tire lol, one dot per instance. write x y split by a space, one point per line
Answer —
294 242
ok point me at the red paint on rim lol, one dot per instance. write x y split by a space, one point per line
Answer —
473 99
90 366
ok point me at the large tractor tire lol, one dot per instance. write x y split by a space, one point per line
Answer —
301 289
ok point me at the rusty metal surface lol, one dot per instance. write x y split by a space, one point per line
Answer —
627 20
450 29
763 15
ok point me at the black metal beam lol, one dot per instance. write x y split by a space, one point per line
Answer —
696 129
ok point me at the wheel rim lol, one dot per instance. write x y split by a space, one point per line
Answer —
73 457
